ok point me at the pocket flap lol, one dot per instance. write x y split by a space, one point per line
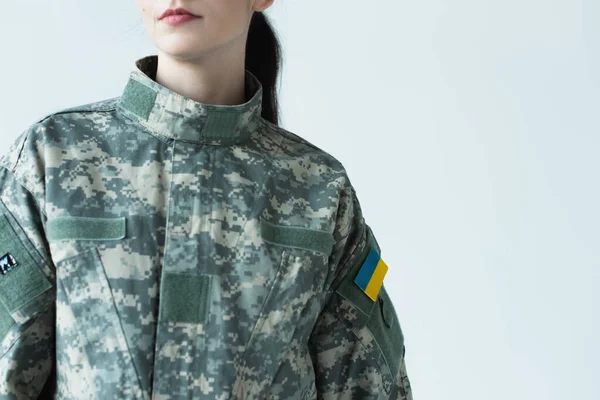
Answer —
85 228
297 236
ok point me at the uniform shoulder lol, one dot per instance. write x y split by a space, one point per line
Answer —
100 105
28 145
295 146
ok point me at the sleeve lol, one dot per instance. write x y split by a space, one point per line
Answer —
357 345
27 277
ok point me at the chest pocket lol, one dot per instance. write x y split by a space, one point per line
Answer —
291 306
85 288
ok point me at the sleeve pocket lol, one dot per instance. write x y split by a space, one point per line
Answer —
373 322
385 328
24 288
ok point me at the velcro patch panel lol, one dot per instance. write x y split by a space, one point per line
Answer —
21 280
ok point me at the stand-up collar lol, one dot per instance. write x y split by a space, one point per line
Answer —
182 118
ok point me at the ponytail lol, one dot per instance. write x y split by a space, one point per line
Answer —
263 59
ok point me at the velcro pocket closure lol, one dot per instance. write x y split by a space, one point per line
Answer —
71 227
297 237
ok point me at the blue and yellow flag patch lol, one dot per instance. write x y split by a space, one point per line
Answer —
371 274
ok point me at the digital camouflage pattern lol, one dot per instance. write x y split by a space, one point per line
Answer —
170 249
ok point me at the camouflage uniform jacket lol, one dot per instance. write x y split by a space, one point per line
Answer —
155 247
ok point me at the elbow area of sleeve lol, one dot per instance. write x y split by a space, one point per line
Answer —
29 358
345 365
401 389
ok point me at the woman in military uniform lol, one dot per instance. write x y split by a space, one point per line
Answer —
175 242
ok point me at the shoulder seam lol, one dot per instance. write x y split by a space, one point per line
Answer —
274 128
84 108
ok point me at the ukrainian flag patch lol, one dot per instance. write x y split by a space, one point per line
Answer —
371 273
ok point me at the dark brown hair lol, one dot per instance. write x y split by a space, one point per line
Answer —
263 59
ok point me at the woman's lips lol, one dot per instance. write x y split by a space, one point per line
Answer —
178 18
